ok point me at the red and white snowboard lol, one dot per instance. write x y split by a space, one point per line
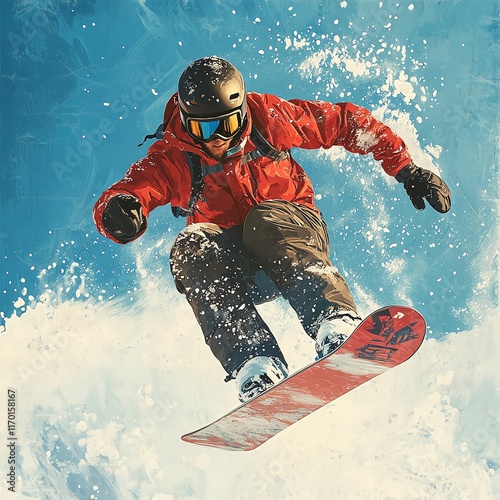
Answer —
385 339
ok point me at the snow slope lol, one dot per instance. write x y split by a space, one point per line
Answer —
105 393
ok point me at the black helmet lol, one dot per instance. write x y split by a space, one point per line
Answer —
212 99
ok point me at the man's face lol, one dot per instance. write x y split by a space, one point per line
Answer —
217 148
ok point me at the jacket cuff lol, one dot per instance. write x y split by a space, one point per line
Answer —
405 172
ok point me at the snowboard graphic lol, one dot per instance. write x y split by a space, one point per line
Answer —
385 339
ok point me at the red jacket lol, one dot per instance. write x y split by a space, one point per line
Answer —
163 176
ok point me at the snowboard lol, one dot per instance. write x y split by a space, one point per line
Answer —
383 340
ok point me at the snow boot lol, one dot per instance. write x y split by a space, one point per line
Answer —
333 333
257 375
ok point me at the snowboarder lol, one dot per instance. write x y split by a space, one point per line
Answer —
222 159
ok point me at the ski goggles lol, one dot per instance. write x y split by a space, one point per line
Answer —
206 129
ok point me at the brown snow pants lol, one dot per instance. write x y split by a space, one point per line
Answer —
281 249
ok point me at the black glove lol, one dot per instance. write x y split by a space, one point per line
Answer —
123 218
422 184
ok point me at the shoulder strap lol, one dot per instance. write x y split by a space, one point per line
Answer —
197 182
265 148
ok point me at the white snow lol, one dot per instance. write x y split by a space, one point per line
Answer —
19 303
127 389
366 140
338 57
401 85
434 150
